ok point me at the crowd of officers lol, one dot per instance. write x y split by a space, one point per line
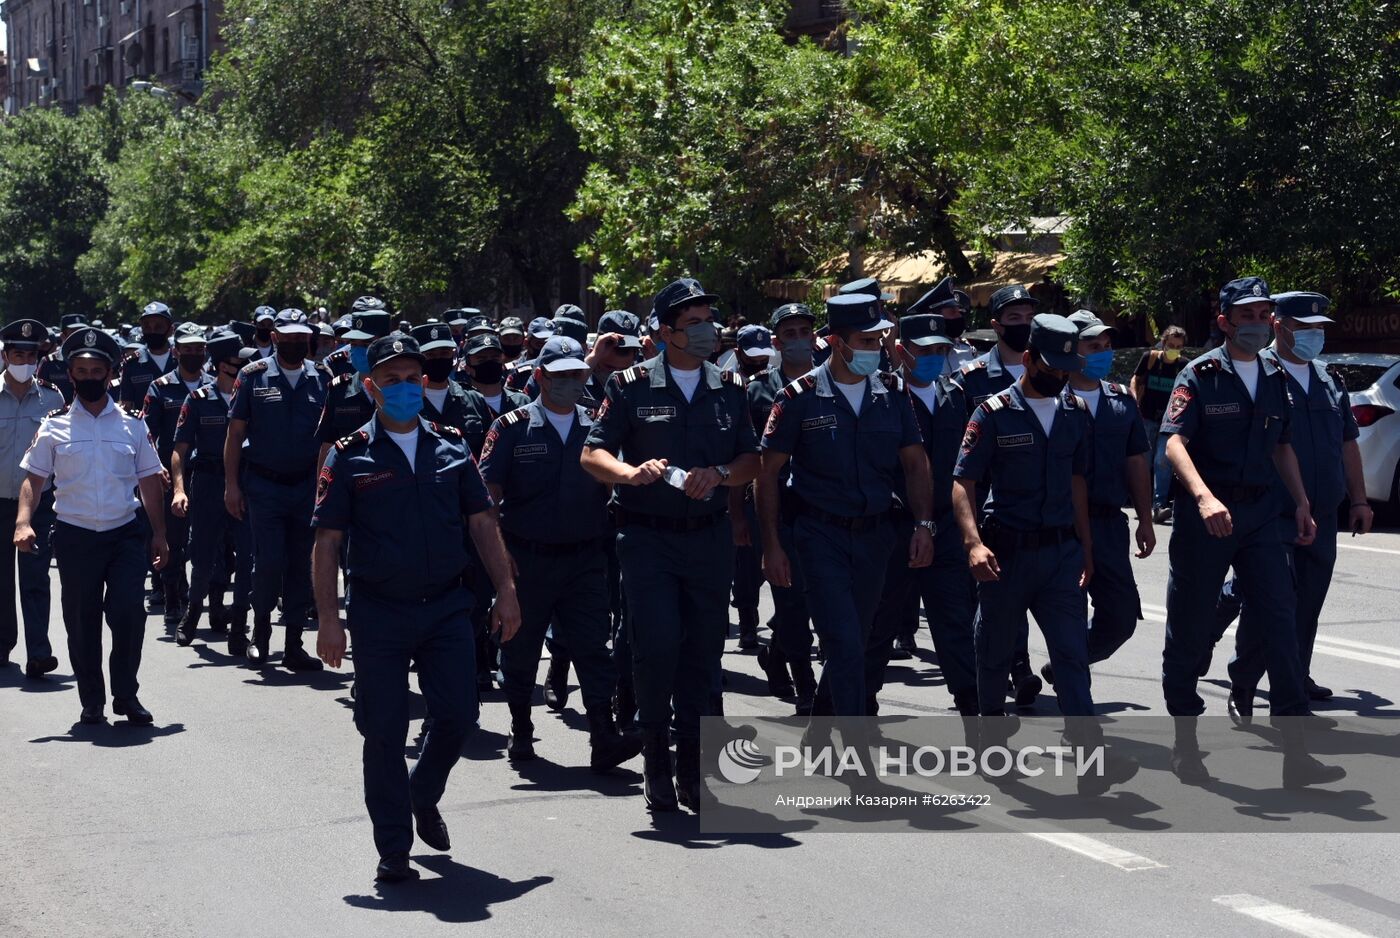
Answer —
486 489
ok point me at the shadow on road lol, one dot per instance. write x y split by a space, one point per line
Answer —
458 894
114 735
15 677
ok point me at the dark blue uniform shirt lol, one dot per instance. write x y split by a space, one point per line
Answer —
203 426
406 524
942 431
457 407
281 419
982 377
546 494
161 410
844 464
646 416
347 408
1031 476
54 369
138 373
1321 421
478 414
1115 433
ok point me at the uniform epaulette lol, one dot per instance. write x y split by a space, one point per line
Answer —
205 393
254 367
969 367
58 412
46 384
512 418
800 386
1203 364
729 376
1080 402
345 442
1118 388
340 380
632 374
131 410
446 429
170 377
338 355
998 401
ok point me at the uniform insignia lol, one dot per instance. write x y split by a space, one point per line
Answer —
973 365
373 479
46 384
398 346
1180 400
90 339
513 418
340 381
530 449
774 416
732 377
801 385
1203 365
1118 388
344 443
253 368
489 445
1016 439
652 412
1220 410
632 374
971 436
817 423
1258 290
446 429
57 413
27 329
996 401
602 409
323 483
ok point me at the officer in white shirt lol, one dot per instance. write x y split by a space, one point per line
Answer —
98 457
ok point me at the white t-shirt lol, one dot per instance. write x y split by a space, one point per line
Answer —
854 393
1301 373
929 395
293 377
228 398
1044 409
194 385
408 442
162 360
1016 371
562 423
436 396
1091 398
1249 374
687 381
495 400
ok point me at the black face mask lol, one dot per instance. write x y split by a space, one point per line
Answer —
489 372
1016 337
1046 384
293 353
263 335
157 343
438 370
91 390
233 373
954 327
192 362
512 351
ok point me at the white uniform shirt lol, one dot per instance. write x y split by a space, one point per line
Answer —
19 422
95 463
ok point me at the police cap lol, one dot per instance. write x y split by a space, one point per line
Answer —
392 346
1056 340
24 334
368 325
1013 295
91 343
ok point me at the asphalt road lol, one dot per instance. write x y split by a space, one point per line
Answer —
240 813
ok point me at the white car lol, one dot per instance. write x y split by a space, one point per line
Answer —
1373 381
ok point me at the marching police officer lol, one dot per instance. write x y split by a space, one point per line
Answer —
847 433
98 457
264 320
554 518
445 401
1228 423
512 333
197 476
269 474
671 433
53 368
24 402
347 405
368 321
407 494
492 399
540 330
153 358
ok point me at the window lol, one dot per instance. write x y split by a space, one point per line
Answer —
165 49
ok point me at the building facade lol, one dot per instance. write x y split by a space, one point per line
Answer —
65 52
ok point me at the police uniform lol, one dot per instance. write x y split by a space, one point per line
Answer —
137 373
406 602
20 418
1028 524
347 405
96 463
52 368
278 470
518 372
554 519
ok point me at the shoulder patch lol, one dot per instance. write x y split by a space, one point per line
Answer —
800 386
1204 364
446 429
632 374
512 418
342 380
969 367
998 401
359 437
732 377
203 393
46 384
254 367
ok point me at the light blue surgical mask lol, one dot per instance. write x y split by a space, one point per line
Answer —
927 368
1097 364
359 357
402 401
1307 343
864 363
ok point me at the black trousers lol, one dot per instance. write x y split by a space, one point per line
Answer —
102 573
33 581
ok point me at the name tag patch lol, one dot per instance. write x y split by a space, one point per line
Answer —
1218 410
370 481
816 423
271 394
1016 439
530 449
656 411
212 421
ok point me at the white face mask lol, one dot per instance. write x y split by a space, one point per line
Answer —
21 373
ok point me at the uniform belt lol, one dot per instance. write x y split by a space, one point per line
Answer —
1104 511
281 478
1239 493
545 549
209 465
852 524
675 525
1001 538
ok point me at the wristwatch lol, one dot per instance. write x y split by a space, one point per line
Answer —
723 473
932 528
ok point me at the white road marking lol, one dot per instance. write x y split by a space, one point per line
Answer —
1346 648
1369 550
1098 850
1294 920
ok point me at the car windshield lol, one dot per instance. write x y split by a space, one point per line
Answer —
1356 377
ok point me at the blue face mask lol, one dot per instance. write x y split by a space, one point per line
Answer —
660 346
402 401
864 363
1307 343
359 357
927 368
1097 364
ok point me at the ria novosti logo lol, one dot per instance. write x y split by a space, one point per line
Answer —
740 761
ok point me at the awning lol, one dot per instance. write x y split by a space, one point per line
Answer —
131 35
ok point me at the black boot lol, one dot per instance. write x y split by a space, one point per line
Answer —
262 638
173 612
770 659
690 790
556 682
521 745
625 705
658 788
218 612
804 684
238 633
1188 761
1300 769
609 748
748 629
294 657
185 634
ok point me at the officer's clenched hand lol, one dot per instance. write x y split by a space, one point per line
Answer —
330 641
776 568
25 538
160 552
179 505
1215 515
648 472
699 483
1361 519
233 500
921 548
1146 539
1087 573
983 564
505 616
1307 527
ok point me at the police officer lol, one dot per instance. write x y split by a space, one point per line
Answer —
445 401
264 321
942 301
161 410
406 494
955 322
671 433
1117 473
618 347
269 475
24 402
347 405
368 321
540 330
512 333
1228 423
945 587
153 358
1324 436
197 476
492 398
554 519
98 457
753 354
53 368
847 433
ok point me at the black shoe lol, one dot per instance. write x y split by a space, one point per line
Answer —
155 601
521 746
432 829
904 647
1317 692
771 661
92 716
804 687
257 650
556 683
1027 687
38 667
1301 770
218 617
609 748
1048 673
1189 766
185 634
748 629
690 788
295 658
394 869
658 787
1117 769
135 714
1240 706
237 642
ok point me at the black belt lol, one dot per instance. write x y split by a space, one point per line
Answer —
1001 538
358 584
1239 493
210 465
854 525
1104 511
674 525
281 478
545 549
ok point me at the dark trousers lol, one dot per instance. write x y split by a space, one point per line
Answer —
387 636
1117 606
280 518
678 595
1264 579
748 567
948 592
843 573
1042 581
215 535
792 632
102 572
33 581
571 592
